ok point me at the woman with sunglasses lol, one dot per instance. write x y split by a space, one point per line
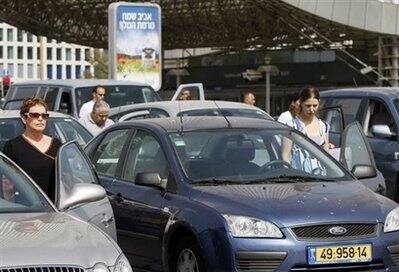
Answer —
34 151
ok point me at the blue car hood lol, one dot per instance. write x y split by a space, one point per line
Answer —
297 203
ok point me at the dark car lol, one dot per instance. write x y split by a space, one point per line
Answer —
377 111
214 194
68 96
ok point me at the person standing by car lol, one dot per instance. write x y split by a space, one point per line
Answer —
98 119
307 122
293 110
98 93
185 95
34 151
249 98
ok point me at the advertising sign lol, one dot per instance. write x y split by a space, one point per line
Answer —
134 39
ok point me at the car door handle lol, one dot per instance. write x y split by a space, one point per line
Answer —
107 220
118 198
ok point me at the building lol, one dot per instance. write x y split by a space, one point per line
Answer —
20 57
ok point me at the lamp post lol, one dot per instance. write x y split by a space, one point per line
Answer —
268 70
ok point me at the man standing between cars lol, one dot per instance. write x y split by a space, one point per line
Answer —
98 93
98 119
294 109
249 98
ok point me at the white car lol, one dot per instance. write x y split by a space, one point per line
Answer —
186 108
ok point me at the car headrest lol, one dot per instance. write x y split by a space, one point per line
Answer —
240 151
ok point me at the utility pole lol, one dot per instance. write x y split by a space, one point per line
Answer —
42 57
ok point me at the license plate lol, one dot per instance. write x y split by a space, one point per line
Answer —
340 254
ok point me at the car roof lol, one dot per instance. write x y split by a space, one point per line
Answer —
79 82
361 91
191 123
174 107
4 114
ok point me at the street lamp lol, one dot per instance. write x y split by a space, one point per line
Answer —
268 70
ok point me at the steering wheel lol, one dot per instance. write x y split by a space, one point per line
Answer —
275 165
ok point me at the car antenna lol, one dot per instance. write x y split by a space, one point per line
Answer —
354 81
224 116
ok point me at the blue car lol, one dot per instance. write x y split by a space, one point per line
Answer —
377 111
238 194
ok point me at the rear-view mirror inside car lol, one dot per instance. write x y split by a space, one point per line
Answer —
150 179
362 171
82 193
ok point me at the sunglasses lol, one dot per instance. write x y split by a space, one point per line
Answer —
36 115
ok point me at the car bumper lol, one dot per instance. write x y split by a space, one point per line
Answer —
290 254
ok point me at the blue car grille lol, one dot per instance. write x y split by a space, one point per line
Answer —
43 269
321 232
259 261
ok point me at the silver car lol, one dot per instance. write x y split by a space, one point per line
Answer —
185 108
75 167
37 236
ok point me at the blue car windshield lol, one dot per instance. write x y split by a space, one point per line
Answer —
17 193
251 155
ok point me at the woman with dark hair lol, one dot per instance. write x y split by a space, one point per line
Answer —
34 151
306 121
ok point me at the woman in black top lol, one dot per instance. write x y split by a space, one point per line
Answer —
34 151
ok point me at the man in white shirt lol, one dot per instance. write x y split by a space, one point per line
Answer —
98 93
287 116
97 120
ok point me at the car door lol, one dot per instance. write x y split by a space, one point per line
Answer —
73 167
385 146
196 91
356 151
140 214
334 118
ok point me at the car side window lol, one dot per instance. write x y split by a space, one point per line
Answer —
74 168
109 152
51 97
378 114
145 155
350 107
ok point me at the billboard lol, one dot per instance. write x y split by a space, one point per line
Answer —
134 40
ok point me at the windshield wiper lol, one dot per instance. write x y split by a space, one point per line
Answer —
287 179
215 181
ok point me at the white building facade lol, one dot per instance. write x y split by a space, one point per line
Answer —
20 57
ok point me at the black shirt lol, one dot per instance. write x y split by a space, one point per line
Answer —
39 166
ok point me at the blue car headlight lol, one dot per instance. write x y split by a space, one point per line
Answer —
122 264
242 226
392 221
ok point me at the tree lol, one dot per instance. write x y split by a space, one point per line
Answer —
100 62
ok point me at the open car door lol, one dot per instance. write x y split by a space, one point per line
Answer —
73 168
356 156
352 149
196 91
334 117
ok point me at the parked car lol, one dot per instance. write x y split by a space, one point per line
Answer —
377 111
62 126
214 194
185 108
68 96
35 236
